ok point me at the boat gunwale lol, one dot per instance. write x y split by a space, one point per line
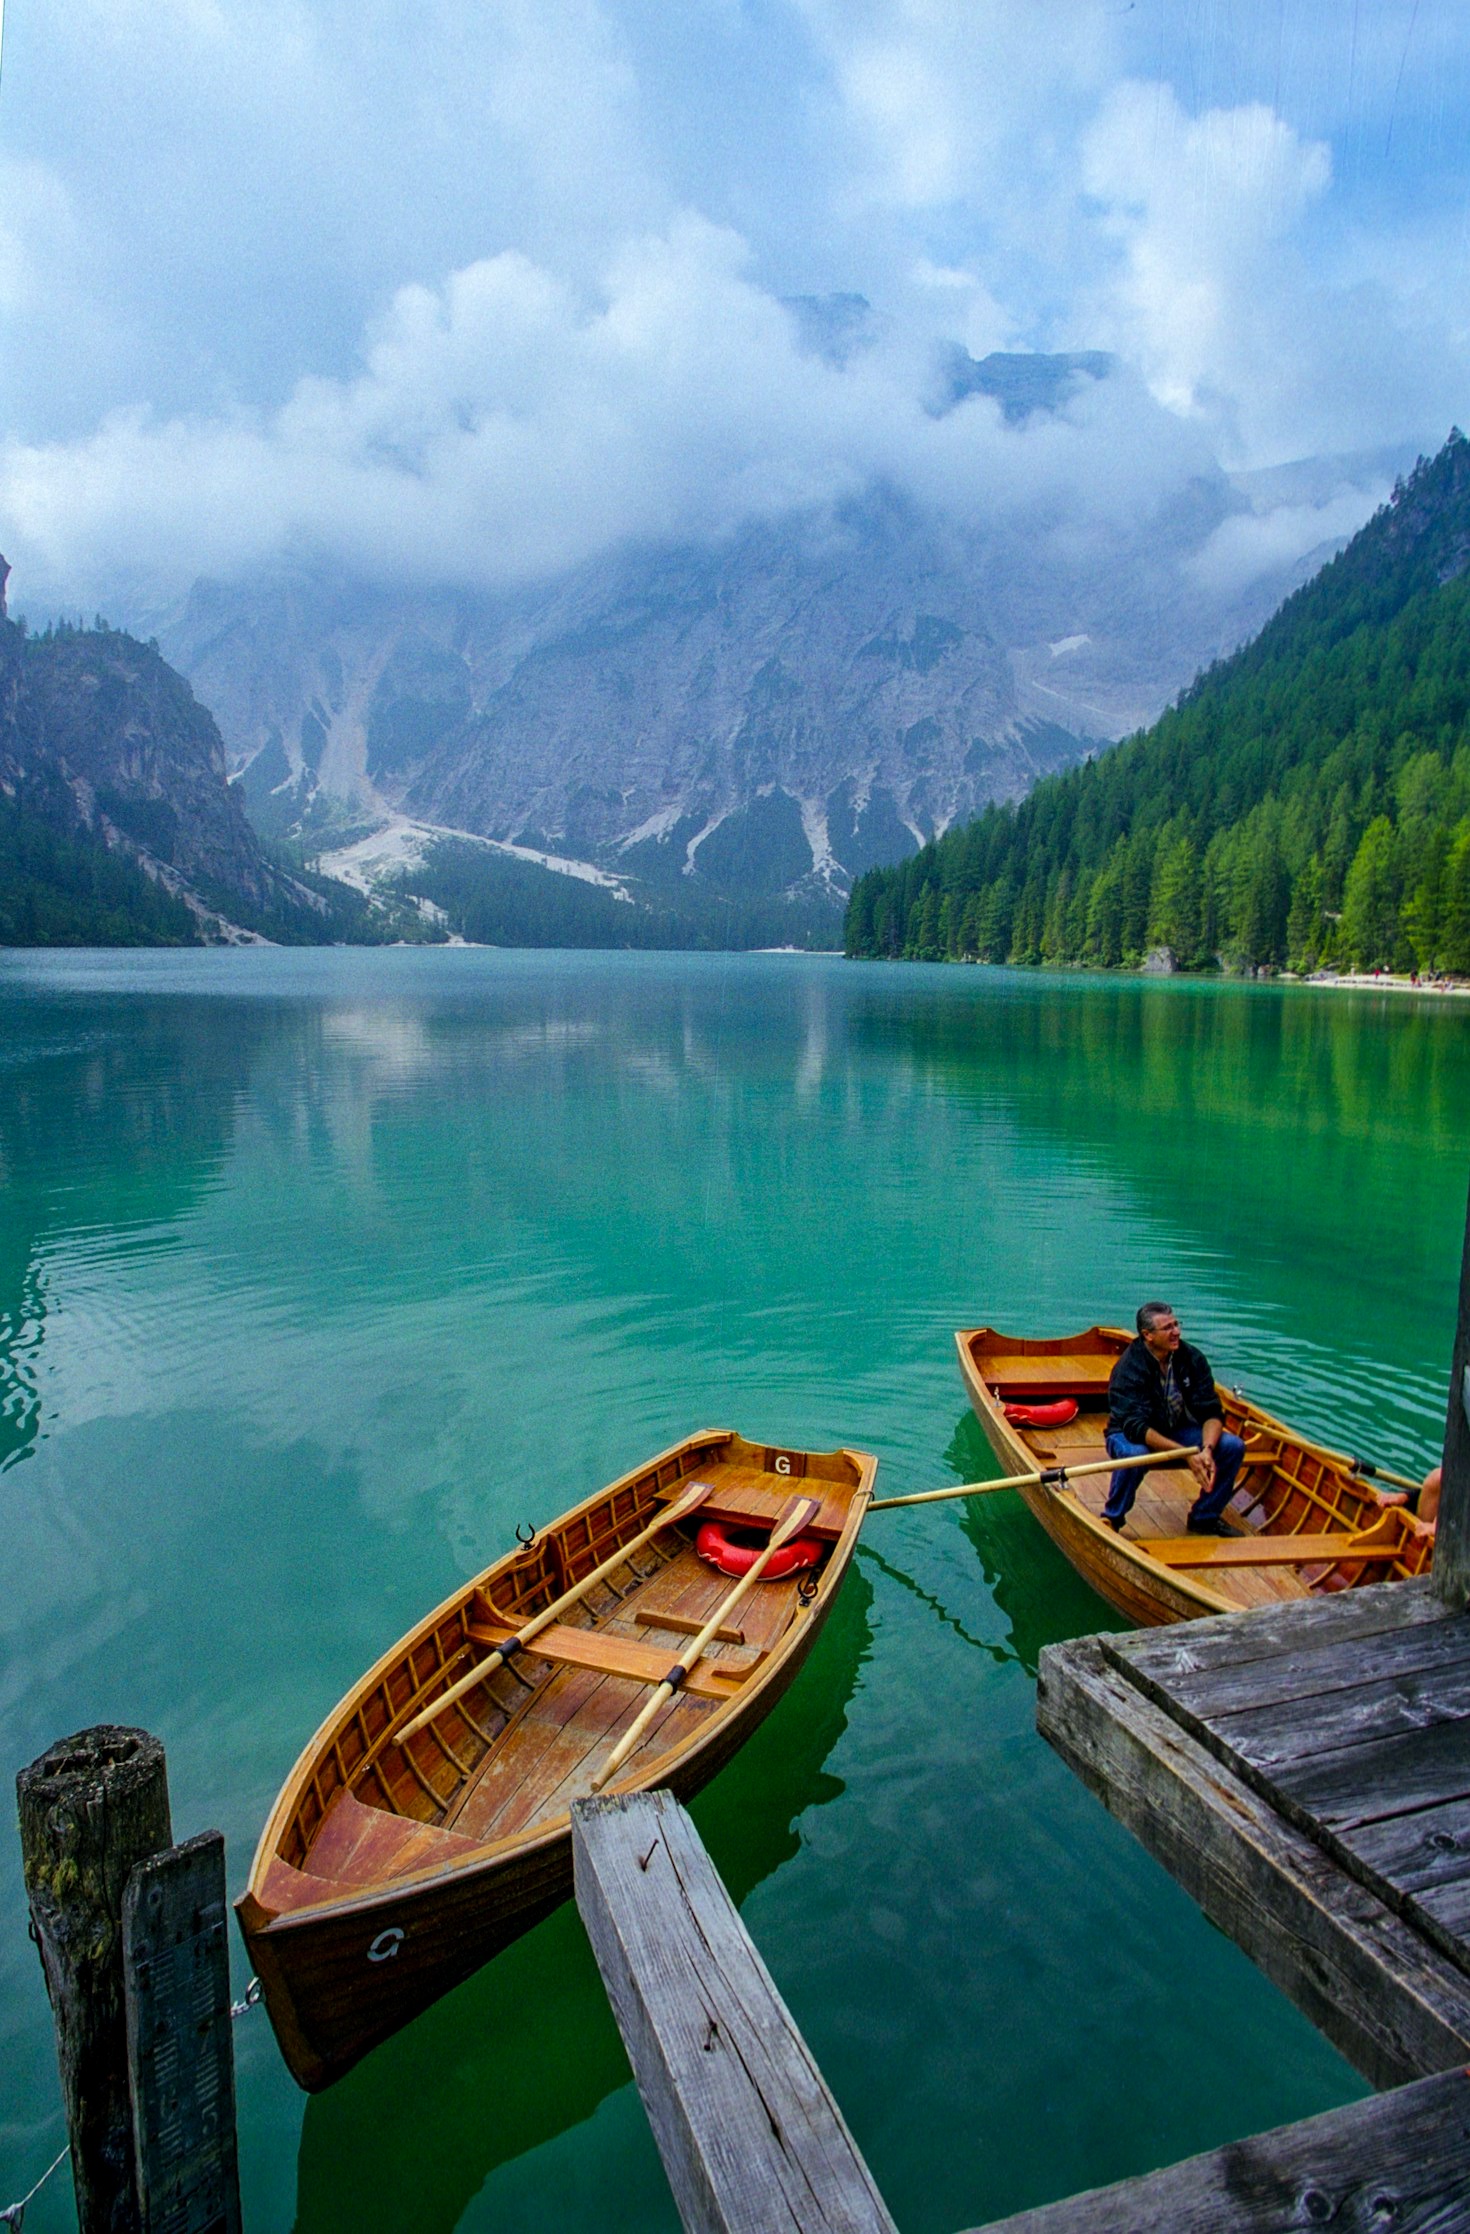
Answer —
1153 1577
527 1842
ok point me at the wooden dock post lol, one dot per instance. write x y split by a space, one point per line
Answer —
1452 1533
132 1934
90 1809
750 2137
181 2057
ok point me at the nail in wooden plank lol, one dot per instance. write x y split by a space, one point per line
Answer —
750 2137
176 1975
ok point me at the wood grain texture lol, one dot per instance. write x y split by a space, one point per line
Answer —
90 1808
1400 2160
1393 2003
1452 1545
176 1977
750 2137
1273 1631
1346 1738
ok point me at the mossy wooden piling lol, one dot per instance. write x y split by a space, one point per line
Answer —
91 1808
132 1937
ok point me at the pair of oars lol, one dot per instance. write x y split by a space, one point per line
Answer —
799 1514
692 1498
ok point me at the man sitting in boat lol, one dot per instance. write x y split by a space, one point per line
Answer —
1161 1397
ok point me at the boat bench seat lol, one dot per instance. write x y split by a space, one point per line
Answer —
357 1846
1265 1551
1037 1380
569 1647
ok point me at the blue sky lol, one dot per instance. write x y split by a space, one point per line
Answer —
471 292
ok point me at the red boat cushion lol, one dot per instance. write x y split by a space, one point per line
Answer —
1042 1415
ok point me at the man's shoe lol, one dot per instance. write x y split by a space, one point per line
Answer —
1117 1525
1208 1528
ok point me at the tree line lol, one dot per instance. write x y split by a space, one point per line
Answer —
1306 804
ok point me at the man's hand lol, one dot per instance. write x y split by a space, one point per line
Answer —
1202 1466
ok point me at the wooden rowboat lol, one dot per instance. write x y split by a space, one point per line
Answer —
1308 1523
394 1863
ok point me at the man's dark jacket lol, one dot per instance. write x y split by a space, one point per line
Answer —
1136 1391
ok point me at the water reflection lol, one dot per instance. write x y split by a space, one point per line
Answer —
106 1136
934 1605
528 2048
1040 1593
318 1272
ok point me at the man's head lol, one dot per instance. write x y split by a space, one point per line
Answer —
1159 1328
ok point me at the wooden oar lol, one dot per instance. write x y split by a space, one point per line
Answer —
679 1510
799 1514
1364 1468
1050 1477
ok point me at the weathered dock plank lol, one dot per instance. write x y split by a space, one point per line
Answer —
1297 1625
176 1980
1362 1744
750 2137
1399 2160
1394 2003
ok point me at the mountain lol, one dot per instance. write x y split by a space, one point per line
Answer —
763 718
1306 803
118 823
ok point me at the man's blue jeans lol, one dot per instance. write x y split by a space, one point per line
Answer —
1123 1488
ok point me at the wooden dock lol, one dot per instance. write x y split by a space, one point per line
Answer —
753 2142
1304 1771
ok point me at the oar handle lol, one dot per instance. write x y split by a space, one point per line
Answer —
1049 1477
693 1497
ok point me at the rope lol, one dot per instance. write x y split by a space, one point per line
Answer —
14 2214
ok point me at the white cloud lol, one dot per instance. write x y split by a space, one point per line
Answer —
225 227
1250 544
1203 209
505 427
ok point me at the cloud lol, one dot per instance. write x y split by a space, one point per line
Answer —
1250 544
506 426
469 295
1202 209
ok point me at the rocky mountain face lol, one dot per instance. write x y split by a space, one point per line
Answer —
100 738
773 714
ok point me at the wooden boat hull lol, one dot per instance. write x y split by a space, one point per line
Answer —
345 1969
1281 1496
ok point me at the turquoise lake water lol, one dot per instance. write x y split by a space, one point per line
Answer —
319 1271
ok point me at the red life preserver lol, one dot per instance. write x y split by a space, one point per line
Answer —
1042 1415
735 1551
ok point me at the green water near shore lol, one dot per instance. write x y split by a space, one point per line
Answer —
320 1271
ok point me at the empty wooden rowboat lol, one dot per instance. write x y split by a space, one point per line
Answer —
426 1825
1307 1523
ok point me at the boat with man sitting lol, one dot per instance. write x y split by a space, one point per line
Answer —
1301 1520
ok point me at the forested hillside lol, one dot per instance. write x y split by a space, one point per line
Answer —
118 823
1306 803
